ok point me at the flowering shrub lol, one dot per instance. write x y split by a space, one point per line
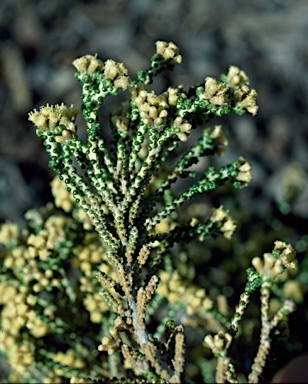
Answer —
96 287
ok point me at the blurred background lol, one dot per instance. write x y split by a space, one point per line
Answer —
266 38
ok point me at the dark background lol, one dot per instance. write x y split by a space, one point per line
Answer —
266 38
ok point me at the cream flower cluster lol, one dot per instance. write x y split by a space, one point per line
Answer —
273 264
59 119
219 342
244 175
169 51
114 71
184 128
153 108
176 290
244 96
215 91
228 226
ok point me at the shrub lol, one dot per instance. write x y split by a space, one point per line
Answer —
97 286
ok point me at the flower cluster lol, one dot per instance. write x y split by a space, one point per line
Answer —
244 96
43 307
153 109
169 51
273 264
116 72
216 92
58 119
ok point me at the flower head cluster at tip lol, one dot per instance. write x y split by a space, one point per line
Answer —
153 109
88 64
216 92
184 128
244 96
219 342
273 264
231 93
58 119
244 174
221 216
169 51
116 72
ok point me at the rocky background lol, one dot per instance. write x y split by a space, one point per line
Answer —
267 38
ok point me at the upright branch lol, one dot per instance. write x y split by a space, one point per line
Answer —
112 184
262 275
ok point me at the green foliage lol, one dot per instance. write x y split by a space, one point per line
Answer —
96 289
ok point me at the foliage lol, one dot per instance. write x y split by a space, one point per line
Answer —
97 287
